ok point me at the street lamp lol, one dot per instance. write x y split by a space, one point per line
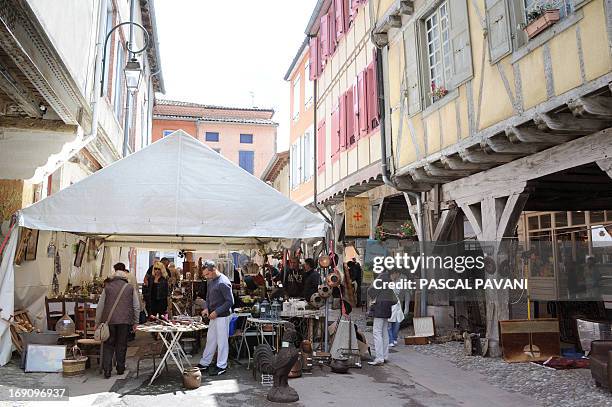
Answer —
133 73
132 70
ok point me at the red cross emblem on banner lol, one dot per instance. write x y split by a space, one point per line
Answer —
357 216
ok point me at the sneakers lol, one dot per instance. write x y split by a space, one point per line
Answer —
392 344
202 367
376 362
395 343
216 371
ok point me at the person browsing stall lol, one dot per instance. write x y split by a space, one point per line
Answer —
311 279
217 307
125 316
292 279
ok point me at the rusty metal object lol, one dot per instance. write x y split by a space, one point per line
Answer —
333 279
530 340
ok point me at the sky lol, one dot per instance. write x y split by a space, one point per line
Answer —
222 52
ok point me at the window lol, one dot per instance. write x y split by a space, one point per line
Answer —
295 160
211 136
296 98
109 26
118 87
437 36
167 132
246 160
308 86
246 138
308 165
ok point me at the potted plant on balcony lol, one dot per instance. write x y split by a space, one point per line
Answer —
540 18
438 92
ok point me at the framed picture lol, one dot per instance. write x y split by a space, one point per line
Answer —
45 358
32 246
78 258
22 246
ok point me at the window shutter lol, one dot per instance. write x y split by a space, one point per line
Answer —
339 12
321 145
460 42
346 11
342 122
335 133
372 96
363 106
312 56
411 62
498 27
324 34
355 111
331 21
350 117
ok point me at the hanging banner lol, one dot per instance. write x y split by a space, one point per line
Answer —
357 217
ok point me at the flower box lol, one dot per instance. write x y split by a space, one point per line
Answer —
548 18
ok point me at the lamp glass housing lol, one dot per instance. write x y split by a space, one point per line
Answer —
133 73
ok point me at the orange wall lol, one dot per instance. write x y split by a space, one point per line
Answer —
264 138
304 192
159 125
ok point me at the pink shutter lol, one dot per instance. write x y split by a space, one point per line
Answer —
339 9
312 56
363 105
324 34
350 118
331 21
346 11
335 139
321 146
342 131
372 96
356 110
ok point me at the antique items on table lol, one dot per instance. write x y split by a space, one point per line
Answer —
279 365
533 340
170 333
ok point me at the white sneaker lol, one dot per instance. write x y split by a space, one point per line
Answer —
392 344
376 362
395 343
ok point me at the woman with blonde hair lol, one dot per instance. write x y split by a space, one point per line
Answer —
155 290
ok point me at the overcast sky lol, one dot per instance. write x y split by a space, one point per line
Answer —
219 51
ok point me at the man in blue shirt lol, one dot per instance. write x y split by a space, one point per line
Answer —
217 308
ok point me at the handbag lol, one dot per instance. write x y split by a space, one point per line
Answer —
102 332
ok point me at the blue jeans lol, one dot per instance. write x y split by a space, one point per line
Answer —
394 328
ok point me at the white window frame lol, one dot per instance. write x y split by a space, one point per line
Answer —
308 87
438 48
296 98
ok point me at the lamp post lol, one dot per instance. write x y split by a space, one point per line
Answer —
132 70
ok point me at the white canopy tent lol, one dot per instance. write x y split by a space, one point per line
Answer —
176 193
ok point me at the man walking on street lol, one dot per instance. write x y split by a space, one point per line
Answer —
381 311
217 308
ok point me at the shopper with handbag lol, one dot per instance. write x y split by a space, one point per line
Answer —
117 312
383 299
397 315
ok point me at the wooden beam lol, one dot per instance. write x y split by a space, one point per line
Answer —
394 21
381 39
568 123
406 7
435 171
455 163
531 135
583 150
23 123
606 166
600 106
419 175
445 223
480 157
18 92
501 145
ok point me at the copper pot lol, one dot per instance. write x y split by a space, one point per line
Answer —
192 378
316 300
333 279
325 291
324 261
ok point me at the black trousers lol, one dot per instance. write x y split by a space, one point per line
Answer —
116 345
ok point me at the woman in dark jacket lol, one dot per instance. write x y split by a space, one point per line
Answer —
383 299
155 290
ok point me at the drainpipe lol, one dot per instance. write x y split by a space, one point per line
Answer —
128 100
385 167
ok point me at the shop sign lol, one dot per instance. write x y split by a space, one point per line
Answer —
357 217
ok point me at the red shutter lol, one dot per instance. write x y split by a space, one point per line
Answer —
314 61
321 146
331 21
346 11
356 110
324 34
350 118
363 106
342 131
372 96
339 9
335 136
